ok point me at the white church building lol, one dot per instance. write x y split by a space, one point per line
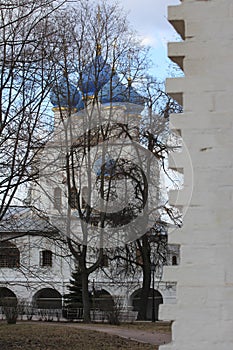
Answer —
35 262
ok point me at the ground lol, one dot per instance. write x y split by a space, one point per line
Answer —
57 336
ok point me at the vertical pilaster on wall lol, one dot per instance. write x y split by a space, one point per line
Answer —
203 315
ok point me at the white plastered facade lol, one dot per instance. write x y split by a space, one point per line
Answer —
32 277
203 314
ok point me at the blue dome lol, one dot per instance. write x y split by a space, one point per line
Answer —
116 92
95 75
113 91
63 95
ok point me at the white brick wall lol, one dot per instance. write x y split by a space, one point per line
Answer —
204 311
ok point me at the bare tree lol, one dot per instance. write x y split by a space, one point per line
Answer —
25 78
97 49
150 251
84 176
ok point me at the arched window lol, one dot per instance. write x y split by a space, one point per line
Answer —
57 198
154 298
174 260
9 255
46 258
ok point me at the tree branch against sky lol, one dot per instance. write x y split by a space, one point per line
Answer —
149 18
25 78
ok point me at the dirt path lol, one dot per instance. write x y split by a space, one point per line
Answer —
144 336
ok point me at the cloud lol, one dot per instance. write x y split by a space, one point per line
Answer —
149 41
149 18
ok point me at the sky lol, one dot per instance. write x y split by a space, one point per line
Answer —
149 18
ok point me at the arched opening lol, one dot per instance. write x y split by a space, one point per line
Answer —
158 299
48 298
9 255
102 300
7 297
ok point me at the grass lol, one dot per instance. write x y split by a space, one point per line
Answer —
58 337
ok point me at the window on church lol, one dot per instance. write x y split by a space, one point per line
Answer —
84 197
73 198
94 221
174 260
57 198
46 258
9 255
104 261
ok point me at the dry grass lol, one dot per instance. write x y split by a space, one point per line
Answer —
58 337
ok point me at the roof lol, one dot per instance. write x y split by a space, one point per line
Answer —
65 94
114 91
95 75
26 220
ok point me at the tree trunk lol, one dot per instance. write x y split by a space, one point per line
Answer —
146 268
86 299
142 315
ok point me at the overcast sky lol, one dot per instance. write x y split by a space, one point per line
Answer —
149 18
